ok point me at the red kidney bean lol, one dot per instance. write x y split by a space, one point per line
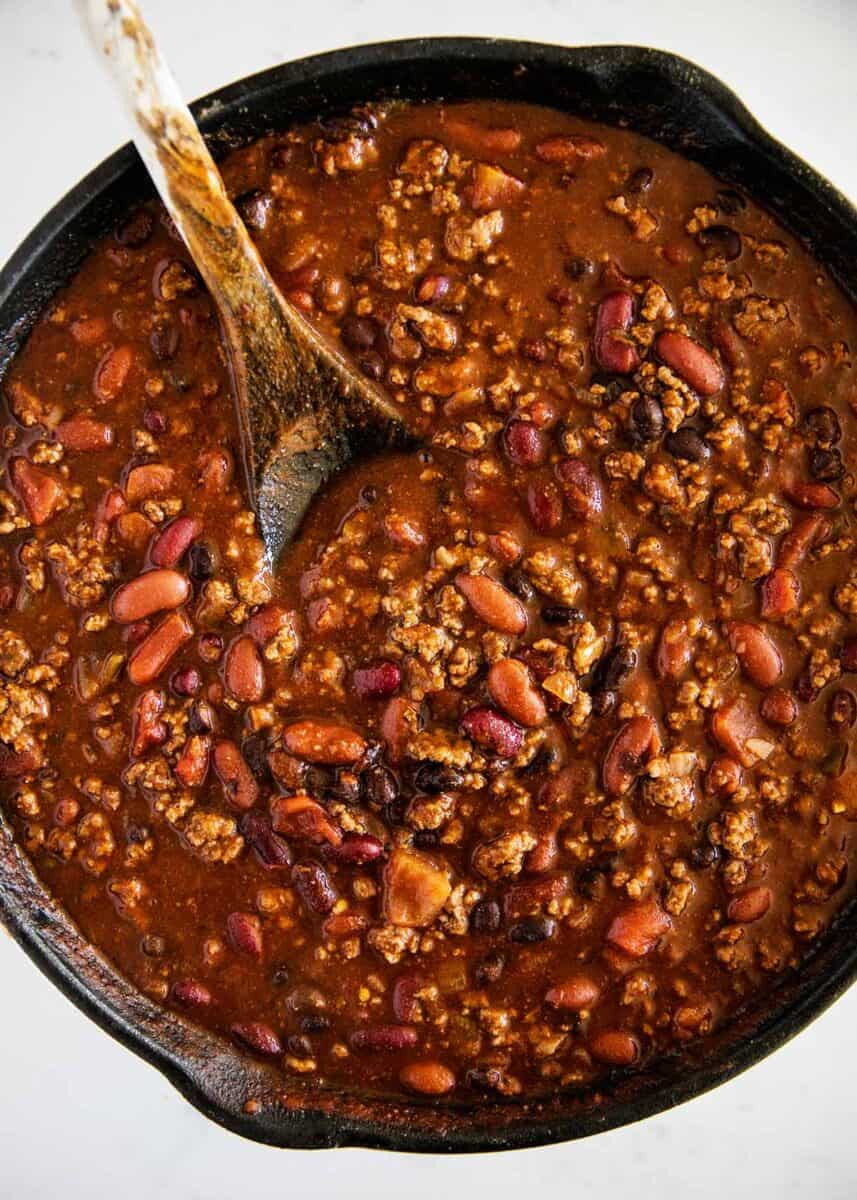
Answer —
581 487
112 372
358 849
544 505
779 708
270 848
750 905
427 1078
190 993
174 540
396 726
674 650
383 1039
84 434
523 443
492 731
493 603
325 743
566 149
806 533
614 351
312 883
577 991
192 764
239 786
759 657
244 672
511 685
812 495
638 928
689 360
245 933
151 592
258 1038
615 1047
152 654
377 681
637 741
405 997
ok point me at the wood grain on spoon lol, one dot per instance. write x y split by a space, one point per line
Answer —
302 406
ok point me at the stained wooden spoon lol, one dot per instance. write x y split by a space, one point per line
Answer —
303 408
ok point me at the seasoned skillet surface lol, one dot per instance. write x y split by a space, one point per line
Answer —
639 429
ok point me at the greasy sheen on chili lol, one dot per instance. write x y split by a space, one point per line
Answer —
535 759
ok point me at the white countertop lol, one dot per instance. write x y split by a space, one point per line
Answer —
80 1117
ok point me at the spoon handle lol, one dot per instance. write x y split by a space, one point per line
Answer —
295 392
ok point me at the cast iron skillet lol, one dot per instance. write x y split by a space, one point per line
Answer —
649 91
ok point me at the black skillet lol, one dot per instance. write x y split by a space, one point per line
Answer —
656 94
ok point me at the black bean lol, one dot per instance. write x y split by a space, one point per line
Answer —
578 268
200 562
842 710
645 421
705 855
314 1023
561 614
640 180
517 582
136 230
532 929
379 786
730 201
590 881
346 786
164 341
721 238
603 703
368 494
687 445
613 667
484 1079
255 209
318 780
281 974
435 777
255 751
613 385
822 425
395 811
358 333
372 364
426 839
485 917
200 718
826 465
489 969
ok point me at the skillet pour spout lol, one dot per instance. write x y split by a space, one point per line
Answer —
655 94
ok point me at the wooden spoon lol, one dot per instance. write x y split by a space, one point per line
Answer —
303 409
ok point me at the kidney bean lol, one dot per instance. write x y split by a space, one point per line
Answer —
271 850
383 1039
174 540
190 993
524 444
192 764
636 742
576 992
612 348
523 898
812 495
690 361
245 933
431 289
511 686
398 720
493 603
148 482
151 592
313 885
89 331
544 505
615 1047
301 817
427 1078
84 434
806 533
240 788
492 731
779 708
244 672
358 849
320 742
258 1038
377 681
749 906
407 1006
757 654
565 150
638 928
150 656
780 594
41 493
674 650
112 372
581 487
